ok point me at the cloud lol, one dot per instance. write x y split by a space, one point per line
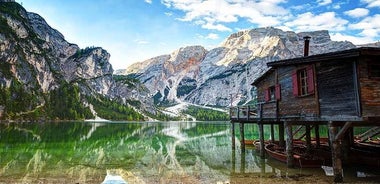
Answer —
212 36
217 14
357 12
354 39
169 14
324 2
310 22
148 1
219 27
371 3
141 42
370 26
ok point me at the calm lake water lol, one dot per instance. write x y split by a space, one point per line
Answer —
157 152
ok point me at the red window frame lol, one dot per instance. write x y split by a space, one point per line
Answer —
303 82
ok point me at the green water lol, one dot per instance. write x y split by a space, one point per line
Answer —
157 152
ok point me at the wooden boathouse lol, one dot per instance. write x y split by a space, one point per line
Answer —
338 89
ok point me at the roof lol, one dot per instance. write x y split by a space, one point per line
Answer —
257 80
356 52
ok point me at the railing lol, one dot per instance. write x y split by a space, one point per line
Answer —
243 112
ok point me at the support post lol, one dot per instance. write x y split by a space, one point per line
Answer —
281 136
242 162
233 135
335 153
261 134
289 145
317 137
242 140
233 162
272 132
308 139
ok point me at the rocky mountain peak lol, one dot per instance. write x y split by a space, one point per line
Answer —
229 68
38 65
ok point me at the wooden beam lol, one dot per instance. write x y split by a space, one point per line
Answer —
340 134
272 132
242 140
299 128
233 135
242 162
335 154
261 134
233 161
281 134
317 137
308 139
289 145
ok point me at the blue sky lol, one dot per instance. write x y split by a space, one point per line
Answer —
136 30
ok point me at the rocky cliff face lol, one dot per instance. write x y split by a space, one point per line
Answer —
39 59
213 77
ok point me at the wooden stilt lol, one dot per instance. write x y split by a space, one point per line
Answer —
261 134
233 135
317 138
233 159
336 155
242 140
281 134
345 145
352 136
262 167
308 139
289 145
272 132
242 162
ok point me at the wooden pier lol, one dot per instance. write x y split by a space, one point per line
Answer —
340 90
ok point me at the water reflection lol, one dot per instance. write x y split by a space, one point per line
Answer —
83 152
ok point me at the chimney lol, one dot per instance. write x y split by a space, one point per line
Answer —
306 46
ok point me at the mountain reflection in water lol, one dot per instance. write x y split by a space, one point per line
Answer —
157 152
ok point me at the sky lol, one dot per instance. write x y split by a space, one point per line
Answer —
136 30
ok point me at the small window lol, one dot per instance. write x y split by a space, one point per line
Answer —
303 82
374 70
273 93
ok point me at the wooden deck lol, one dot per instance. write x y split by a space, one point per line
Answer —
250 114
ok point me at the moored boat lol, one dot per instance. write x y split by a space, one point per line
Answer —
301 159
365 153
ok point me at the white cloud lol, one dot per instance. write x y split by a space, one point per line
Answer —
357 12
370 26
212 36
141 42
310 22
219 27
148 1
354 39
372 3
324 2
216 14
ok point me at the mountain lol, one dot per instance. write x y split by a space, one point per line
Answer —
221 76
44 76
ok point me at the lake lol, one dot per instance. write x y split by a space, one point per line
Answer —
142 152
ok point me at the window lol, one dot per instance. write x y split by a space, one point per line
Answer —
273 93
303 82
374 70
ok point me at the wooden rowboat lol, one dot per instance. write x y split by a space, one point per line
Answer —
300 159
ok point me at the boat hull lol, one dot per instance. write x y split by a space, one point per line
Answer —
277 153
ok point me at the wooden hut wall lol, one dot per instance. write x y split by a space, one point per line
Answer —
369 87
336 89
268 108
291 105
